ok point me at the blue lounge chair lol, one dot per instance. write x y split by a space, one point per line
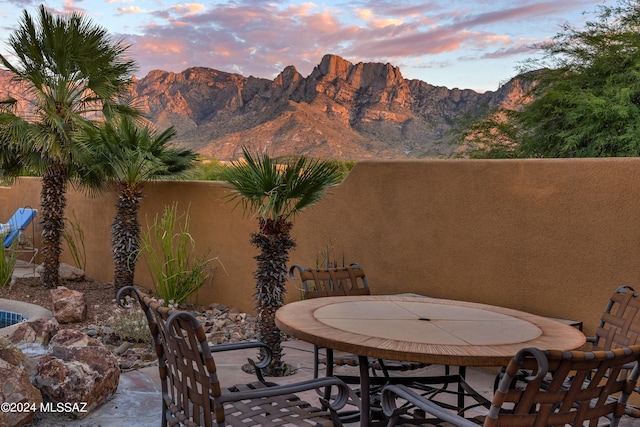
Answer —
16 226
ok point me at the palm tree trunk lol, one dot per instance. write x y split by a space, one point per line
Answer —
125 234
274 242
53 202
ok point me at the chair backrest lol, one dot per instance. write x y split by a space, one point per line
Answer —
597 376
620 323
18 222
187 369
336 281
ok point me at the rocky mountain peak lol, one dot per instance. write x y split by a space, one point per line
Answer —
288 77
331 67
374 75
340 110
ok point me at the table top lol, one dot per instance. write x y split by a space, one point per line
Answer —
422 329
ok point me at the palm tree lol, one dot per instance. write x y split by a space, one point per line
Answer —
276 192
70 73
126 155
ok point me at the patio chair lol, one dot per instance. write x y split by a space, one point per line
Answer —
620 322
544 402
14 229
192 394
619 326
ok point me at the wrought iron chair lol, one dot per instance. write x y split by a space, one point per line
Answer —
598 391
619 327
620 323
192 394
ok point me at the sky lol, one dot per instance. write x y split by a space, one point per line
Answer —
462 44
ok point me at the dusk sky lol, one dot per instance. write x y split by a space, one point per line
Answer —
465 44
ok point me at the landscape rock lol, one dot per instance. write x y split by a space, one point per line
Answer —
223 324
72 338
16 387
37 331
14 356
69 272
68 305
66 272
77 369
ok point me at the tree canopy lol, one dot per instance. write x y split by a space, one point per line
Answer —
584 94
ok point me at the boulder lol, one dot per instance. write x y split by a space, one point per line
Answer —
68 305
77 369
16 387
66 272
69 272
36 331
16 357
73 338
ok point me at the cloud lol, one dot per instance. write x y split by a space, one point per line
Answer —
261 37
23 3
187 8
130 10
507 52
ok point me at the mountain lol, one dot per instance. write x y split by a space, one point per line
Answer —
340 110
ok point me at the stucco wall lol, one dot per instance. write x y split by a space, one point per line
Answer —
553 237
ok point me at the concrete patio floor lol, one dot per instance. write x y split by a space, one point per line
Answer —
137 400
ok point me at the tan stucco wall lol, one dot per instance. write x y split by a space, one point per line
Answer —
553 237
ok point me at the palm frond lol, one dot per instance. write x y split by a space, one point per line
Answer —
279 191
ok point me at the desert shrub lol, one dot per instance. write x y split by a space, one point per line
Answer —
169 251
74 237
130 324
7 264
208 170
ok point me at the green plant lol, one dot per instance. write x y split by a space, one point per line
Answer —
7 264
208 169
76 76
276 191
326 257
74 236
169 251
130 324
127 154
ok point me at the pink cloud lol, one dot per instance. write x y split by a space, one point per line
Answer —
187 8
130 10
261 38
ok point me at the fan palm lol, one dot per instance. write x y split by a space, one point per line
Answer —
126 154
276 192
70 74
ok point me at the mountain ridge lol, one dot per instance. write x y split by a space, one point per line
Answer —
340 110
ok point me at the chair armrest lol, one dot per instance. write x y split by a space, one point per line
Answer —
216 348
266 352
391 392
339 401
244 345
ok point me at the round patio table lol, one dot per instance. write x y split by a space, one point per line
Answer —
422 329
